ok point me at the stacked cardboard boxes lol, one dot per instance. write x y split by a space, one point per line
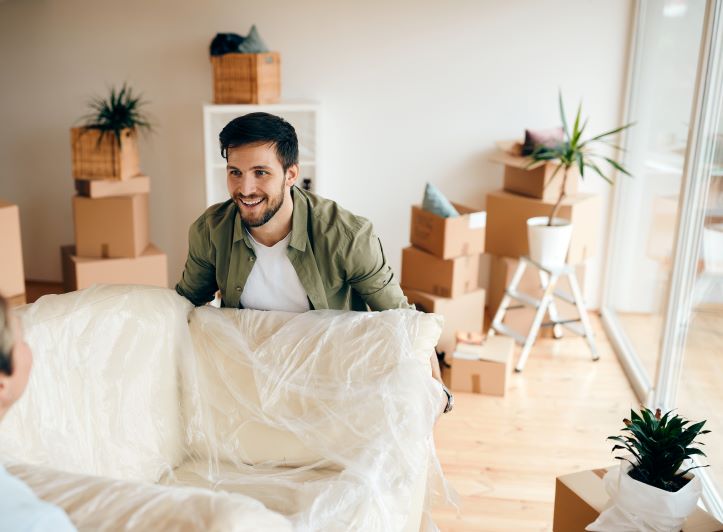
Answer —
12 278
110 215
440 270
531 191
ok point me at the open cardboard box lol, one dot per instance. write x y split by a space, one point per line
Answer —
482 368
448 238
540 180
104 188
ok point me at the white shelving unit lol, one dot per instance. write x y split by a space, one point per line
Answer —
303 115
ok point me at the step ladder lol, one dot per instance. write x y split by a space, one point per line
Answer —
549 277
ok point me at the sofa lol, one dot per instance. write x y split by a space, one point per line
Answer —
145 413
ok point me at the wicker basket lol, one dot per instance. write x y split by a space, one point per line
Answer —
246 78
94 158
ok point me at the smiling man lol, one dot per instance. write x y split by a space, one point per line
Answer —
273 246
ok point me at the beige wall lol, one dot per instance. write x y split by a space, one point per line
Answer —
412 91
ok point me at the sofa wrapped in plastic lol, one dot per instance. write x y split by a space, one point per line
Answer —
144 413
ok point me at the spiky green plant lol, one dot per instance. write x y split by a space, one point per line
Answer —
659 446
574 151
121 110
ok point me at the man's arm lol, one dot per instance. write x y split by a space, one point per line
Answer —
198 281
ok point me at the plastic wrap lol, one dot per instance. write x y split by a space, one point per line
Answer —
324 417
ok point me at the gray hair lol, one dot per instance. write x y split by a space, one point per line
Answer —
7 339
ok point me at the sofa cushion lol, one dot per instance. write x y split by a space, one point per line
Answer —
103 393
103 504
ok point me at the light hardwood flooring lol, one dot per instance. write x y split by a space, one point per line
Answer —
502 454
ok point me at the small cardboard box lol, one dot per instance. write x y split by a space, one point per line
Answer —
507 216
581 496
463 313
114 227
448 278
483 368
12 278
448 238
103 188
150 268
540 180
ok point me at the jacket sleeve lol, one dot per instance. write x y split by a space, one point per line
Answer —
368 273
198 281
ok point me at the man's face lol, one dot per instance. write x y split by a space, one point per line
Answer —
256 182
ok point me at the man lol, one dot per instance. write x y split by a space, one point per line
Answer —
20 508
273 246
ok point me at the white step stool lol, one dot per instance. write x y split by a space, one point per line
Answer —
548 281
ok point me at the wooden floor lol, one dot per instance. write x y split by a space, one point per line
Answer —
502 454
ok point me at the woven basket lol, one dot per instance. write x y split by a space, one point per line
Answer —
246 78
94 158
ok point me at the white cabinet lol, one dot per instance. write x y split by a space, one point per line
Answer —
302 115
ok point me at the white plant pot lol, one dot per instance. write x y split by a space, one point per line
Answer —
549 244
637 506
713 248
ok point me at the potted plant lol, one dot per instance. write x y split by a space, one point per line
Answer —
105 146
549 236
655 489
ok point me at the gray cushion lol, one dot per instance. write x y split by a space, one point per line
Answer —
435 202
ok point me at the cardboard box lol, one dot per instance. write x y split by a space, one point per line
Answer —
448 238
17 301
581 496
507 216
114 227
483 368
448 278
541 180
150 268
104 188
463 313
12 277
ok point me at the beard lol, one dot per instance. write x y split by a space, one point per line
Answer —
261 214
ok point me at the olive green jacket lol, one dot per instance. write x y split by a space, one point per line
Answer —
337 256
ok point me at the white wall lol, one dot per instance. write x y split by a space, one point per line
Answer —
412 91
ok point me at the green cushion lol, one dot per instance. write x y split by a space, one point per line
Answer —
253 43
437 203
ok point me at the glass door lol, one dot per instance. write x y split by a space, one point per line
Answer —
663 301
662 78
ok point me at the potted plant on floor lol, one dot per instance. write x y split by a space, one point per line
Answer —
105 146
655 489
549 236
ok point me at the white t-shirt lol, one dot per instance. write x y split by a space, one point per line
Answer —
273 283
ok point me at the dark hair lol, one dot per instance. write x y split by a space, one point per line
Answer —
6 338
264 128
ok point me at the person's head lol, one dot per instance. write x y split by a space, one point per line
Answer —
16 358
262 156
